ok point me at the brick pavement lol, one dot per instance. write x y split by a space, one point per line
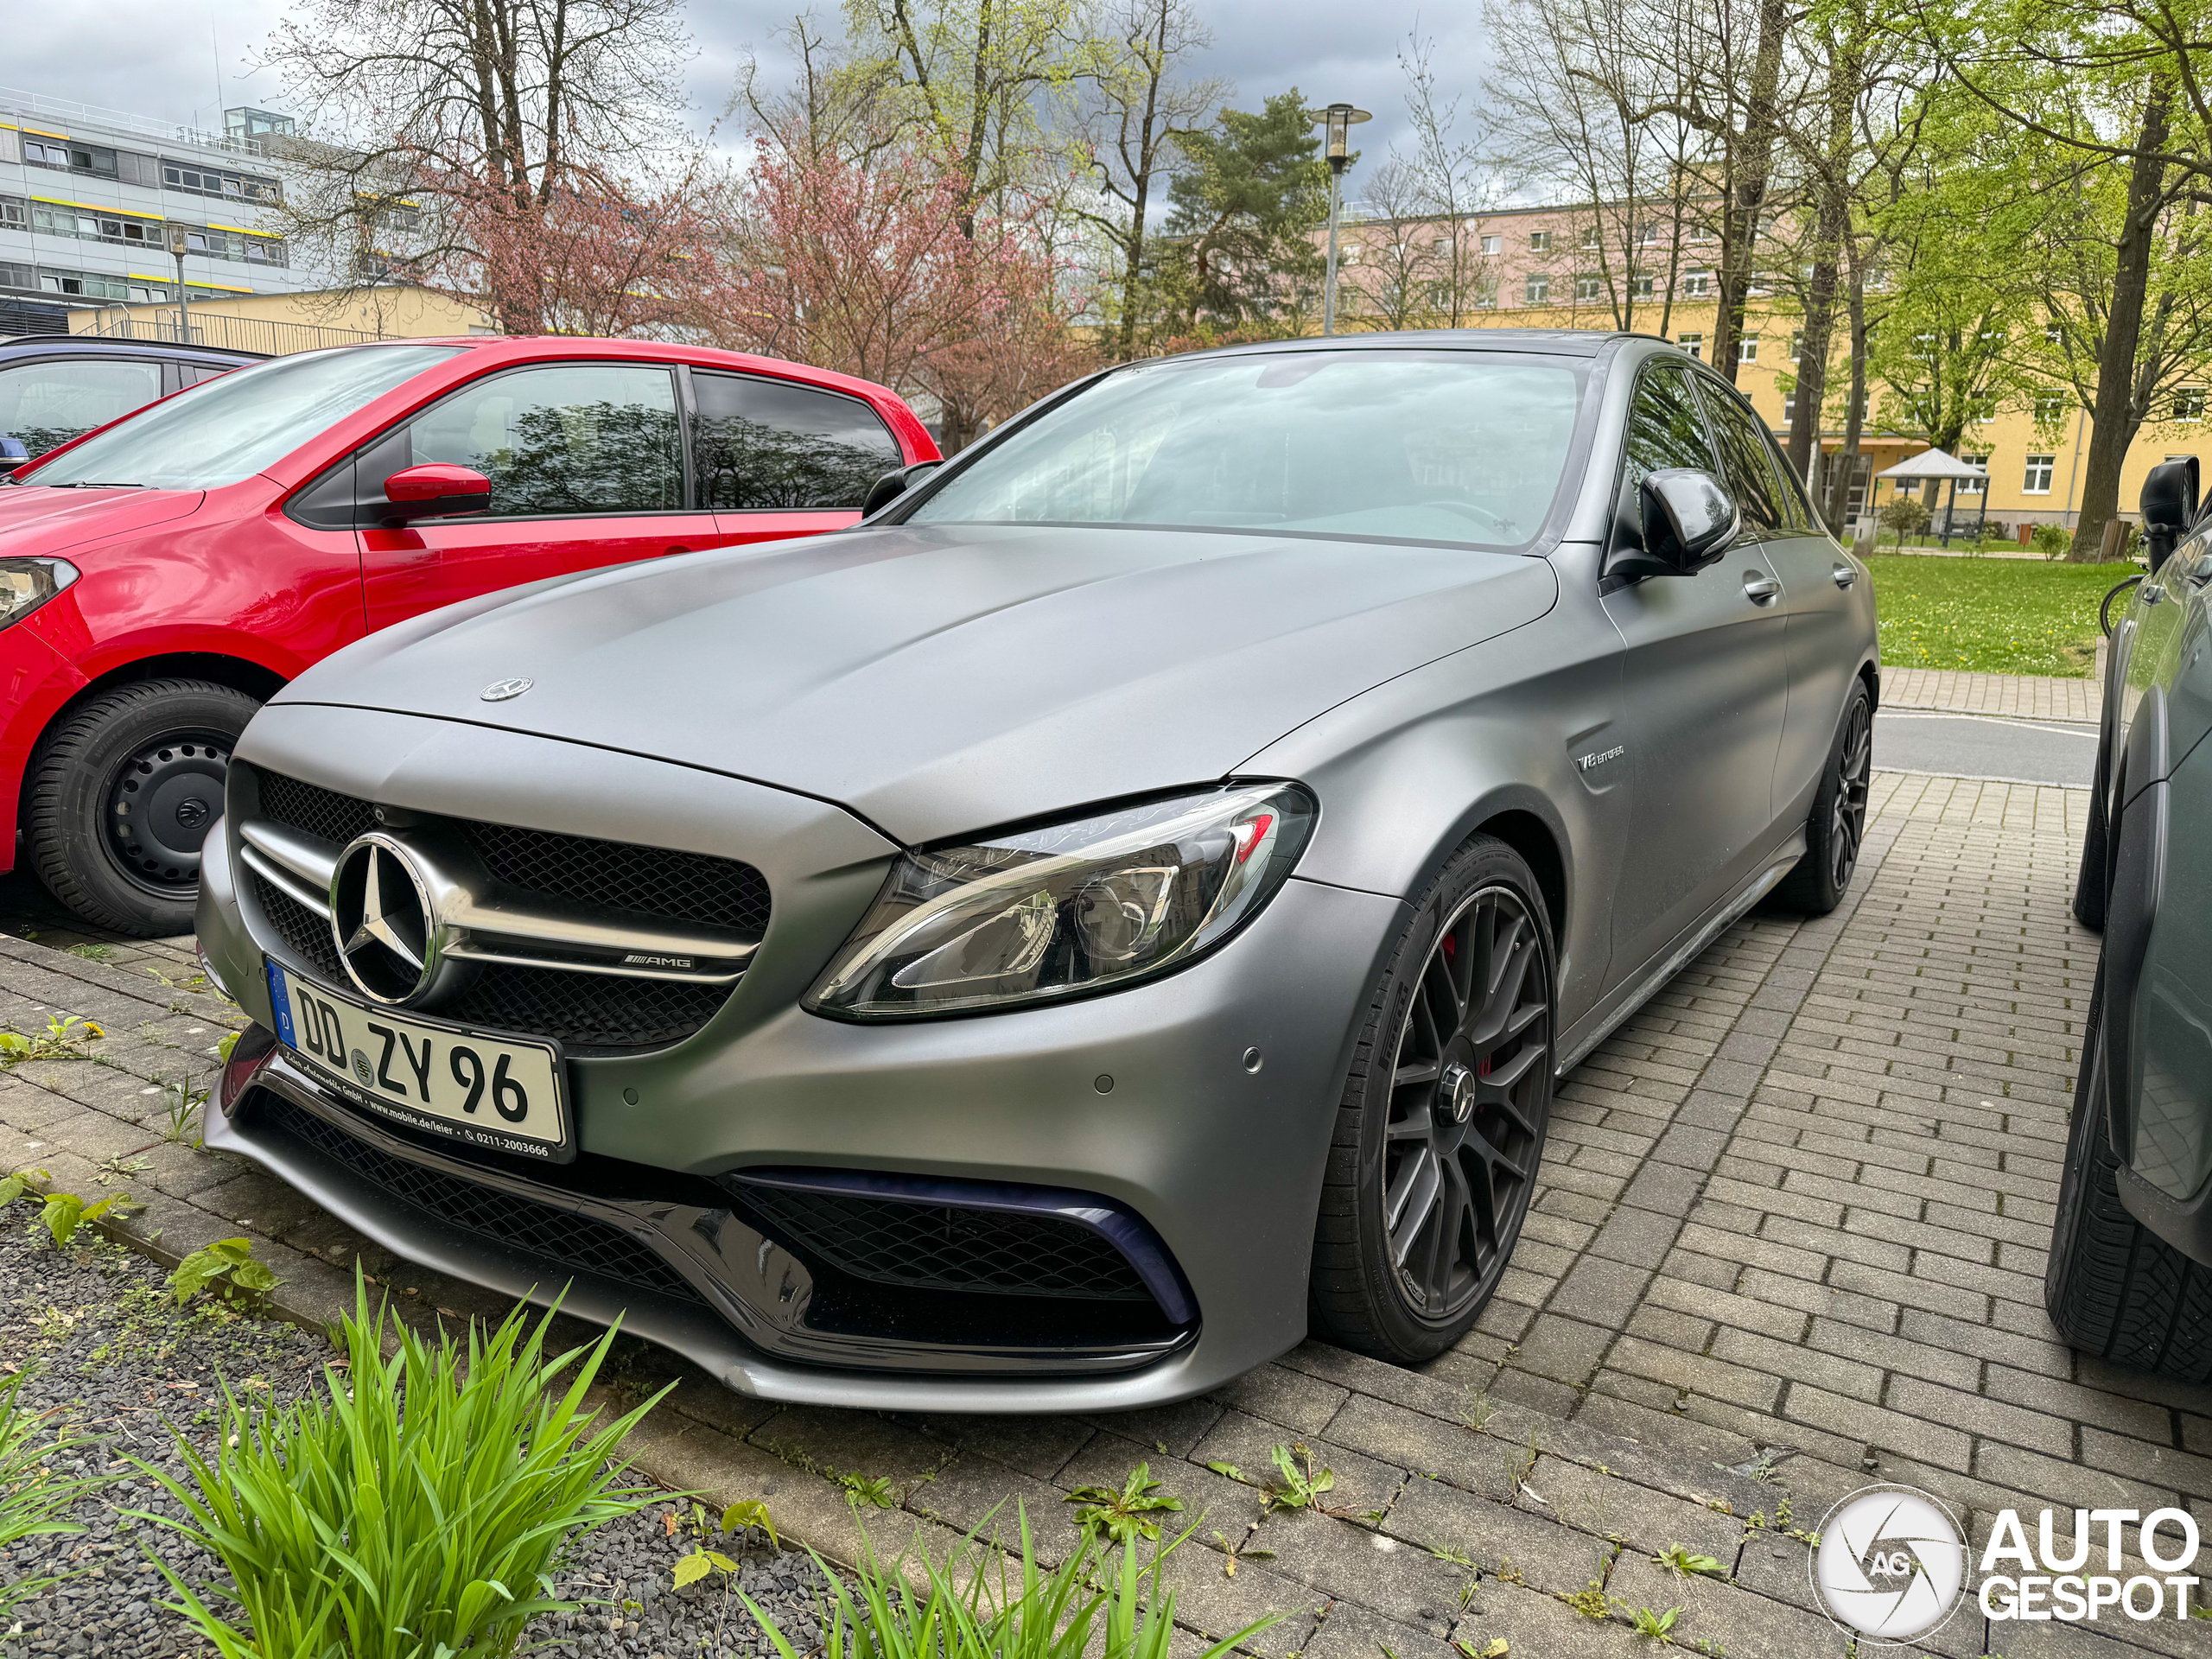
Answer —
2029 696
1800 1201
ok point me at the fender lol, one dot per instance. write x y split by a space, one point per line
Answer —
2139 842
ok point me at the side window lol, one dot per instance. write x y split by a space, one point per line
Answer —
1664 429
1745 462
565 439
758 443
44 405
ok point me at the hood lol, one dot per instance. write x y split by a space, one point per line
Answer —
941 680
36 521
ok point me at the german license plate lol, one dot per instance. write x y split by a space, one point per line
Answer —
491 1091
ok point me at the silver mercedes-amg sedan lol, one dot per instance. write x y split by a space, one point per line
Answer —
1126 904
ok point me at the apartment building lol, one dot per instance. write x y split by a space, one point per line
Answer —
1554 268
88 196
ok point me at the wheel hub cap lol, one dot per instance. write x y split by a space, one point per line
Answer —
159 805
1455 1093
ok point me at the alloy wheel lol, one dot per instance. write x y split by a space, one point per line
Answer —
160 803
1854 767
1470 1093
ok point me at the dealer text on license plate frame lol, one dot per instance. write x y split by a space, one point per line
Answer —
466 1085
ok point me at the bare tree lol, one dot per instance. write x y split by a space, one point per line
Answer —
436 125
1404 258
1136 113
1453 181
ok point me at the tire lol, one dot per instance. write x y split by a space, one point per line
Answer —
1837 825
1442 1129
2114 1288
2092 879
120 797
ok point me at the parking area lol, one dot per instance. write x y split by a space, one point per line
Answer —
1791 1240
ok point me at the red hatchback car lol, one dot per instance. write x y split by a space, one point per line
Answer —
163 576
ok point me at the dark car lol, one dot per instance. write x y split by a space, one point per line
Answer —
1038 949
2129 1276
56 389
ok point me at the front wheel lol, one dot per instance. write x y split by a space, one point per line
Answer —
1443 1118
2114 1288
122 794
1837 826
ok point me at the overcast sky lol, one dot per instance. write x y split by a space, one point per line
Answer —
162 57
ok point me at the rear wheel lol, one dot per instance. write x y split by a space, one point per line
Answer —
2091 880
1837 826
2113 1287
122 794
1443 1118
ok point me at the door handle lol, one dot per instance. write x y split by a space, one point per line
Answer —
1759 588
1844 575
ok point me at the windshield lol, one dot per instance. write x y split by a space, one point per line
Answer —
223 430
1413 445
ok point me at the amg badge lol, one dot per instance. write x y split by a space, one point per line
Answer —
1591 762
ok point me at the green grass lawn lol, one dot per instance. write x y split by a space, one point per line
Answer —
1994 616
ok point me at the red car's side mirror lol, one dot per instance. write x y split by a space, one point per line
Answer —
434 490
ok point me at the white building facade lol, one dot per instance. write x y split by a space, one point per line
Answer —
88 199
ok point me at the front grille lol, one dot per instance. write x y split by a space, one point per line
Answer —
654 880
560 1237
949 1247
315 810
305 934
584 1011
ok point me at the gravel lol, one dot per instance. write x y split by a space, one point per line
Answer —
110 1355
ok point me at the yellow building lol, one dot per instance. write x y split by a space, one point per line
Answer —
277 323
1539 268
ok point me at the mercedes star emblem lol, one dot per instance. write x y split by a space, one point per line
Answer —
380 915
500 690
1456 1093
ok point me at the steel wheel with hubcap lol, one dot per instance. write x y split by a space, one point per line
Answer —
1447 1106
123 792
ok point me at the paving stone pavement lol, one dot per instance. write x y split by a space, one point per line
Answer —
1800 1201
2030 697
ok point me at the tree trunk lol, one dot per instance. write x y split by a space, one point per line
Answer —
2114 420
1740 252
1838 493
1845 78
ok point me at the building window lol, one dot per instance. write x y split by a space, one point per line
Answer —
1493 245
1974 486
2189 403
2050 408
1539 289
1589 235
209 181
1588 289
1648 233
1539 241
1701 234
1647 286
2054 334
2038 479
1697 284
1694 344
1747 349
1797 346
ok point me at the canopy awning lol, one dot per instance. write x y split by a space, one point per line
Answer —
1933 464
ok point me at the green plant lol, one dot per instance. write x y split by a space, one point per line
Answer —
181 1105
415 1506
63 1039
224 1044
1229 1469
1126 1514
1298 1487
92 952
2050 540
1907 515
875 1491
1476 1409
13 1186
1684 1563
1590 1601
226 1258
1659 1627
64 1212
31 1499
913 1606
1496 1648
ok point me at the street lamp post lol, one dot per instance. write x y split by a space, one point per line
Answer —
1337 123
183 313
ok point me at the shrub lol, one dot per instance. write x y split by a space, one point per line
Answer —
2050 540
1092 1604
418 1507
1907 515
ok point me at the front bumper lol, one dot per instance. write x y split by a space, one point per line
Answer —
1144 1096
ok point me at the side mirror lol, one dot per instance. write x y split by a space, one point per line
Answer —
892 486
435 490
2168 507
1687 521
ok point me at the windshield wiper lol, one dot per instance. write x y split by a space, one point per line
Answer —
100 484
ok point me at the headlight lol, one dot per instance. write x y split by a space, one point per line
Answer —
1073 908
26 584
